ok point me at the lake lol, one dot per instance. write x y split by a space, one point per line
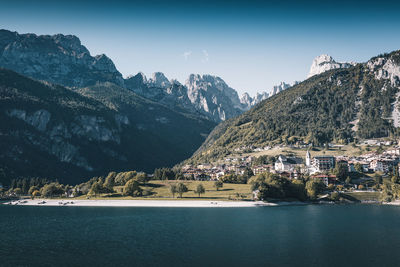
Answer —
311 235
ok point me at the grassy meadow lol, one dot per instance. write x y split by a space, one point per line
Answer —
161 190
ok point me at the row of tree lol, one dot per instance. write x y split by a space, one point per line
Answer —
35 187
180 188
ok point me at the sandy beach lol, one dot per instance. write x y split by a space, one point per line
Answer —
140 203
393 203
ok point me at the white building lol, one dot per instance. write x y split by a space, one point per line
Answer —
284 164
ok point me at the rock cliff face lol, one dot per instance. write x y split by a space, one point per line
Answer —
248 101
203 94
280 87
50 131
324 63
211 95
57 58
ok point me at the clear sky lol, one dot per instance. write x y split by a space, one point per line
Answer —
252 45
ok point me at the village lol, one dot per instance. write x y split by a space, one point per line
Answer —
382 160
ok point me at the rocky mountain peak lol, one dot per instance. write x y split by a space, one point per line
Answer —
386 67
280 87
159 80
56 58
210 94
324 63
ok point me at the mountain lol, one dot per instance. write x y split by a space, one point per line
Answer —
338 105
324 63
210 94
248 101
51 131
207 95
60 59
279 88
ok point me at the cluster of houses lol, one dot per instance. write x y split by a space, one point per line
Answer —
295 167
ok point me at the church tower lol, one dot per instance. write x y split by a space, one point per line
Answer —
308 158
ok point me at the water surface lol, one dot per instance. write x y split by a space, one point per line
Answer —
337 235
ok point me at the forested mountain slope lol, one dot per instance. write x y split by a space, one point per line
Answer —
339 105
53 132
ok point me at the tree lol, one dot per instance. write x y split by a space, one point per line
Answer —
200 189
218 184
173 189
378 178
314 188
330 187
358 167
97 188
179 176
25 186
36 193
335 196
52 189
110 181
18 191
123 177
141 177
132 188
164 174
248 173
341 171
33 189
182 188
395 179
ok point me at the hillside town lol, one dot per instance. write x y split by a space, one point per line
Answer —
292 167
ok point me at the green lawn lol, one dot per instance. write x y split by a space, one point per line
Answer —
364 196
161 190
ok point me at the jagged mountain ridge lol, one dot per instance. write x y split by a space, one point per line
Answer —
324 63
50 131
205 94
59 58
338 105
62 59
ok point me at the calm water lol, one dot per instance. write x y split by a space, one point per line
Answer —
348 235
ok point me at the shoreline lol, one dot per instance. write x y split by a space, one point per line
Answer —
143 203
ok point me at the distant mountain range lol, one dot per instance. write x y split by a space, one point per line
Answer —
83 118
341 104
62 59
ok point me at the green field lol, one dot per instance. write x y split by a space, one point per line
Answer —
161 190
364 196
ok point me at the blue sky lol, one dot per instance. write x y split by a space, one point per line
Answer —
252 45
